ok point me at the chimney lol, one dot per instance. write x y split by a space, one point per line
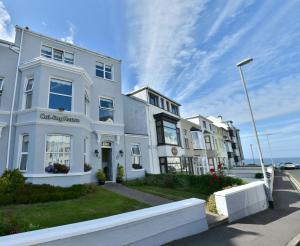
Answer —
220 118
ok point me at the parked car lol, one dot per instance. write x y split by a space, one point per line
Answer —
288 166
297 166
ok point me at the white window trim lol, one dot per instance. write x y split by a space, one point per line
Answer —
1 85
23 153
135 155
45 150
109 109
49 86
52 54
26 92
103 70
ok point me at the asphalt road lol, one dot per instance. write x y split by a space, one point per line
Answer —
271 227
295 174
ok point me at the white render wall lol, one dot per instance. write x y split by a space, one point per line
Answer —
239 202
150 226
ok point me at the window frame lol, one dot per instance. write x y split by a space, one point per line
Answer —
156 102
107 109
186 139
162 103
160 129
134 156
85 148
28 92
59 94
174 109
21 153
58 50
70 153
104 71
208 142
1 85
63 60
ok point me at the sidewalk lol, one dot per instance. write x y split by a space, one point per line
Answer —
212 219
274 227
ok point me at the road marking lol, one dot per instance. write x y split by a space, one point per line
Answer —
294 182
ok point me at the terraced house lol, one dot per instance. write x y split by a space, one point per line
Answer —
63 117
62 104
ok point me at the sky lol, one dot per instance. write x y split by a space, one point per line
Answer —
188 50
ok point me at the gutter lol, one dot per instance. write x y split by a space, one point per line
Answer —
13 102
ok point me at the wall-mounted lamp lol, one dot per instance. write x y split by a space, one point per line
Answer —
121 153
96 152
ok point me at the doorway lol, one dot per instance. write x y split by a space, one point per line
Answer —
107 163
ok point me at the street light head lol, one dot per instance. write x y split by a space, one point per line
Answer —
244 62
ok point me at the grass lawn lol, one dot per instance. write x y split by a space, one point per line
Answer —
100 204
174 194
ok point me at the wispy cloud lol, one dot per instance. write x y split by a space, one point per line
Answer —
7 31
71 33
161 38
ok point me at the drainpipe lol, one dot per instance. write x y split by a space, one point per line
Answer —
13 102
125 159
150 137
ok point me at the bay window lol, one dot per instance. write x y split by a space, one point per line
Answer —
58 150
167 133
186 139
136 156
24 153
106 110
197 140
173 164
60 95
28 94
208 143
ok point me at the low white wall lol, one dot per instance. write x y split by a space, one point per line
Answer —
150 226
244 172
239 202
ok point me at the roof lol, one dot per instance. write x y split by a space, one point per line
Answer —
154 91
197 116
218 123
66 43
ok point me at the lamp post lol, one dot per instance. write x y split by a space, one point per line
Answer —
239 65
271 155
251 146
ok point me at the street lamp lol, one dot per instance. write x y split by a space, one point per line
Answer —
239 65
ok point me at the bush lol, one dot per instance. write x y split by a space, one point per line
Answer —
11 180
211 204
120 173
205 184
87 167
258 176
100 175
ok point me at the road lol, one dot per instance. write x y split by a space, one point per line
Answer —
271 227
295 174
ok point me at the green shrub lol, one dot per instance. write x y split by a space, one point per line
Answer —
11 180
87 167
205 184
258 176
120 173
100 175
211 204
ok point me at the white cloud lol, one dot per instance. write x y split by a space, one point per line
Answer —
7 31
70 37
160 38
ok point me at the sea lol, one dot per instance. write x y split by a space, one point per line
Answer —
277 161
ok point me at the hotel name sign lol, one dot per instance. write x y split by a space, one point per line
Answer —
59 118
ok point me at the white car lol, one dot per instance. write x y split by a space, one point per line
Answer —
289 165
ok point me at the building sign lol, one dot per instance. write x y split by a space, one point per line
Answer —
58 118
174 151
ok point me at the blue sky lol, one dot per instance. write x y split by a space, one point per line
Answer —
188 50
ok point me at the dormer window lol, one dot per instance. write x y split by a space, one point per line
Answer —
58 55
69 58
174 109
46 51
153 99
28 93
162 103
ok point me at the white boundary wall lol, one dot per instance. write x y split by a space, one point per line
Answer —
239 202
149 226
